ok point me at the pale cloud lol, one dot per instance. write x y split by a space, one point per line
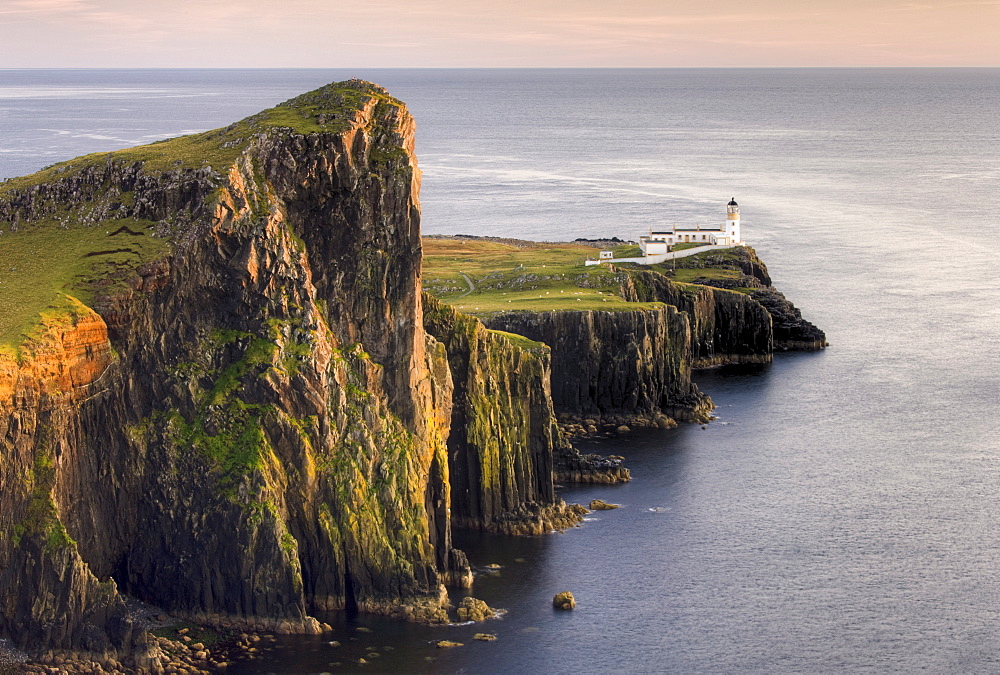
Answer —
391 45
45 6
679 19
750 42
943 6
48 5
478 33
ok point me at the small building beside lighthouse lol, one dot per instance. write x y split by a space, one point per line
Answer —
727 233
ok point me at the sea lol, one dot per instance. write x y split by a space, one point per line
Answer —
842 514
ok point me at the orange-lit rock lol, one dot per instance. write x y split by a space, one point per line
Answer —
65 355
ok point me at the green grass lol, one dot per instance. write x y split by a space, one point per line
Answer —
42 263
528 276
710 265
688 275
520 340
41 519
627 251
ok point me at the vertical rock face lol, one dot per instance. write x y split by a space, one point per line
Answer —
623 363
733 343
791 331
267 435
504 436
637 364
726 326
50 596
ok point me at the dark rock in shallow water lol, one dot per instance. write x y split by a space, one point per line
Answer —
600 469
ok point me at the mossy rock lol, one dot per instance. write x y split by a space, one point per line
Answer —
564 600
601 505
473 609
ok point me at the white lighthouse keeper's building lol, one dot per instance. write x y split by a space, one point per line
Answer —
725 234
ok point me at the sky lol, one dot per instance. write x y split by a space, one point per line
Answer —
497 33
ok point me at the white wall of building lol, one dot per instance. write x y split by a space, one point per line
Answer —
725 234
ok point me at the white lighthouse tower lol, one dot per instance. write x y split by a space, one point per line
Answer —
733 222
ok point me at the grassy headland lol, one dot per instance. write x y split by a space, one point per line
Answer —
66 252
510 275
332 108
513 275
719 267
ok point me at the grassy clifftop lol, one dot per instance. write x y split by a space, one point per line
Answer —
332 108
488 276
69 227
736 269
43 265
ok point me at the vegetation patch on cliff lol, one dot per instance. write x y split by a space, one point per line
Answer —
522 342
42 518
735 269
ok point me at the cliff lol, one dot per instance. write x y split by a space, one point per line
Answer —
505 441
726 326
622 364
740 269
634 366
791 331
244 419
222 392
624 339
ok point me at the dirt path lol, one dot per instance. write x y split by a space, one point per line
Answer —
472 286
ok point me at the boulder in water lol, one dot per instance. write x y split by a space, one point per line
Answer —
564 600
473 609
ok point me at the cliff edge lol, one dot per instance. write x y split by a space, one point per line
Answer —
220 398
623 339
